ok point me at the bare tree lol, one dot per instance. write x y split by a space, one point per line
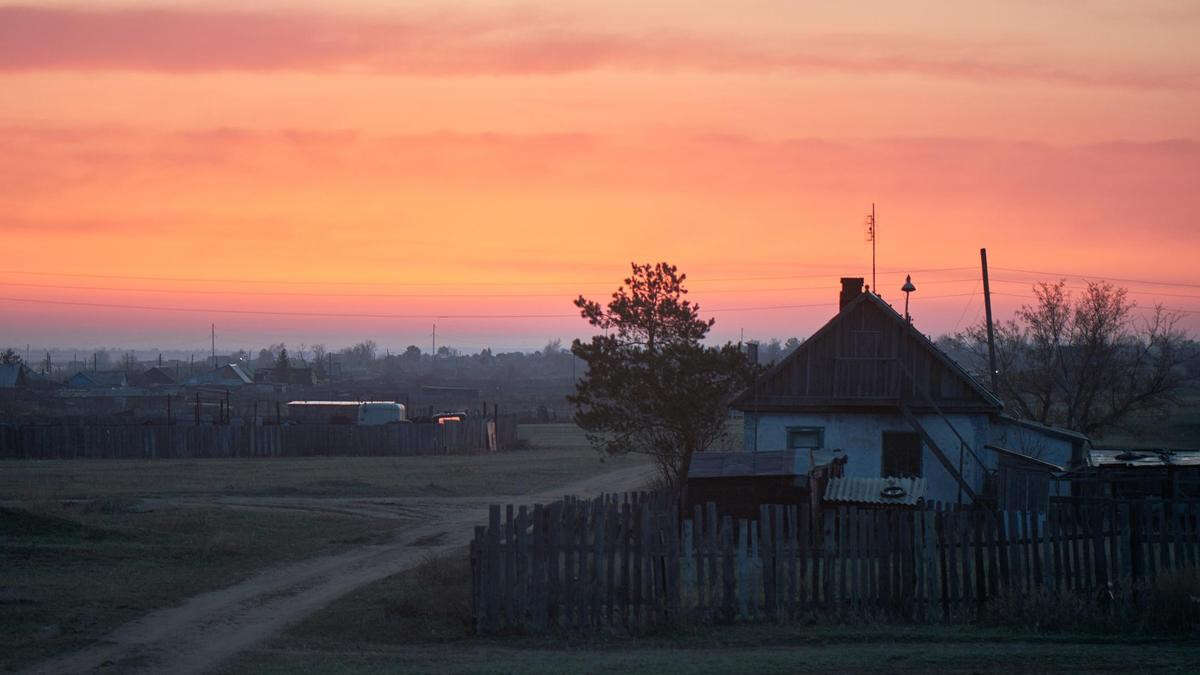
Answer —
1086 363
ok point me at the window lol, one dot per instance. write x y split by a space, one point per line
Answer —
901 454
806 438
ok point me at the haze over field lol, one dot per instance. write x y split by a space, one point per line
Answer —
305 174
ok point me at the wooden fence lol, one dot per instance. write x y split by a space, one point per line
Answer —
633 562
187 441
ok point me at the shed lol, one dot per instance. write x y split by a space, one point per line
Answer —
740 482
1136 473
1023 482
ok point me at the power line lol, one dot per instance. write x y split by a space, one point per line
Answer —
381 315
565 282
1150 282
314 294
1134 292
967 306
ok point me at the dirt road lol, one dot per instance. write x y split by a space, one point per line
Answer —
208 629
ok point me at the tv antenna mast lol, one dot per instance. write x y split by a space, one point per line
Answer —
872 235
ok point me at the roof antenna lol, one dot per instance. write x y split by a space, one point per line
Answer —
871 232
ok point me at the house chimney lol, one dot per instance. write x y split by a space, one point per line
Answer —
852 287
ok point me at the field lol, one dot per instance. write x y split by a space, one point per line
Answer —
358 565
90 545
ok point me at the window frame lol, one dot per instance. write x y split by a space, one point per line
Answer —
819 431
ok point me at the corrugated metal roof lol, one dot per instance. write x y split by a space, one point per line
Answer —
901 491
1143 458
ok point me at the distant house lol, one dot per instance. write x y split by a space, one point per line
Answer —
14 376
292 376
152 377
870 386
229 375
104 379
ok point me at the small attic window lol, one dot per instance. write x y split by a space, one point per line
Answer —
806 438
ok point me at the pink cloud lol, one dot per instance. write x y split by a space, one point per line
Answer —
195 40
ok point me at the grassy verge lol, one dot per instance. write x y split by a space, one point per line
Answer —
420 622
559 454
72 574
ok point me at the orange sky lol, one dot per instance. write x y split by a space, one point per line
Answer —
344 169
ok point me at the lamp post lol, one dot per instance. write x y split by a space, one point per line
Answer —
908 287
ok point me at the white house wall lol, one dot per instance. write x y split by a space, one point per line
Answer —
860 436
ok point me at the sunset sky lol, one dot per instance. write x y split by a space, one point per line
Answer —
304 174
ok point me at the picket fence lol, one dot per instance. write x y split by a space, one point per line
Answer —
238 440
633 561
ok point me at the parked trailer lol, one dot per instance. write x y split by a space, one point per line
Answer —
364 413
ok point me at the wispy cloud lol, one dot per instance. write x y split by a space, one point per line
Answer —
497 43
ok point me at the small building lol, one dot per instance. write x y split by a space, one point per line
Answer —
742 481
289 376
103 379
1131 474
14 376
870 385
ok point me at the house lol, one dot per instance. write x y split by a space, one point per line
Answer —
103 379
293 376
228 375
14 376
868 384
156 376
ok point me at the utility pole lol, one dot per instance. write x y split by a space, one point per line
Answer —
214 346
433 349
991 337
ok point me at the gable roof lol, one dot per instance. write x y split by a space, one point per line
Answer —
831 368
103 378
12 375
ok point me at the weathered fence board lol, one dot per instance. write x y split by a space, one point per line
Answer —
224 440
638 561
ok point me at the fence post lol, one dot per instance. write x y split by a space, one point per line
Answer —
729 592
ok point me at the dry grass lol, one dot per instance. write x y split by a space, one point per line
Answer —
559 455
73 573
1166 605
87 545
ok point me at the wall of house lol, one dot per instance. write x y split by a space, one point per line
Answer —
1032 442
860 436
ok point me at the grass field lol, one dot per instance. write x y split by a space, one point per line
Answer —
88 545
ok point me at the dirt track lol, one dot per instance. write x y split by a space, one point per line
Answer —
209 628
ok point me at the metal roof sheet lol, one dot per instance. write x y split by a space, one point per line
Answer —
901 491
1143 458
